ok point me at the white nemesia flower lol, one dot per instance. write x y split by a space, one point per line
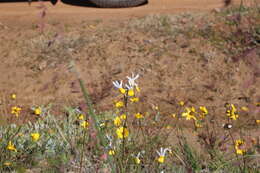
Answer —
163 151
131 81
131 84
110 140
117 84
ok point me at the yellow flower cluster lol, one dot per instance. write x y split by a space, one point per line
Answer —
232 112
122 132
189 114
118 119
197 117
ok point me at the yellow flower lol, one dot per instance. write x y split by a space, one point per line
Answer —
81 117
161 159
117 121
7 163
111 152
131 93
37 111
122 132
84 124
35 136
162 154
232 113
181 103
16 110
13 96
119 104
189 114
11 146
137 88
122 90
134 99
123 116
238 144
204 111
192 109
240 152
137 160
244 108
138 115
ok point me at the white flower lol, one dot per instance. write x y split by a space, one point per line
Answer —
110 140
163 151
117 84
138 155
78 111
131 81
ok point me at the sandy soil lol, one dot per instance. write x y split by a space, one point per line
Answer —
109 57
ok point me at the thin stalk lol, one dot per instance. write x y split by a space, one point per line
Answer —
101 136
124 125
82 152
90 105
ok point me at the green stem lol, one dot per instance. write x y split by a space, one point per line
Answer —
93 116
82 151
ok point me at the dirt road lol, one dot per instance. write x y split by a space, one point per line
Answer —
79 9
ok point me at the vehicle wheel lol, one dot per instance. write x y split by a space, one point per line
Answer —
118 3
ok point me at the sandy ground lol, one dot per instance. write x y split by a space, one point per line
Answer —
100 63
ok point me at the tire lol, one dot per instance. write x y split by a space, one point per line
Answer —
118 3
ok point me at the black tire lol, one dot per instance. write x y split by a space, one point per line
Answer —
118 3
